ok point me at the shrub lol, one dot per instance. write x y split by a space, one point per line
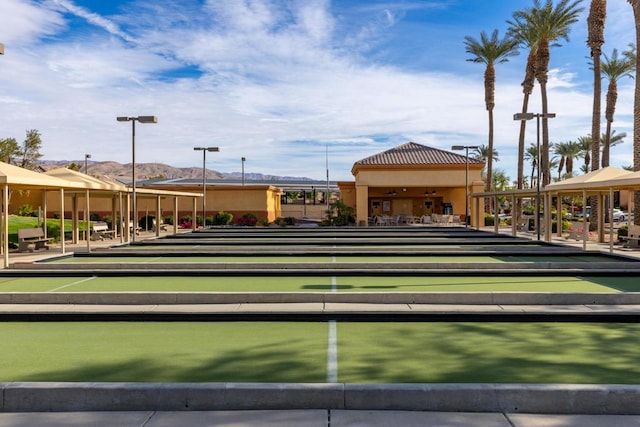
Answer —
223 218
489 220
248 219
94 217
27 210
168 219
264 222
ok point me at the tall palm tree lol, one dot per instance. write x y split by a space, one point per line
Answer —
635 5
527 37
490 51
595 40
613 69
552 23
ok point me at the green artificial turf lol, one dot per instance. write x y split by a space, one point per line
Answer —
471 284
320 284
163 352
164 284
489 353
586 353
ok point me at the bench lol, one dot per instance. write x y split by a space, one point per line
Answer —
101 230
32 236
577 230
631 240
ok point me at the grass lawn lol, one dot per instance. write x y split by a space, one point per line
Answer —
53 226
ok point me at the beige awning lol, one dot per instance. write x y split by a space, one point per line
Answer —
19 178
87 181
597 180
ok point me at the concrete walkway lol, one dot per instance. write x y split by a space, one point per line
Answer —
312 418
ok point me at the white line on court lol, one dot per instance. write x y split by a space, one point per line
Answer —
332 353
73 284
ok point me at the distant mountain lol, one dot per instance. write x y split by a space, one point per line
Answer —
158 170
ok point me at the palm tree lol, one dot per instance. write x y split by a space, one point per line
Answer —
527 37
551 24
585 151
568 151
482 153
635 5
490 51
531 155
595 24
613 69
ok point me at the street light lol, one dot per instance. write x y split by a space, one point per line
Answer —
528 116
86 167
133 120
243 160
466 178
204 180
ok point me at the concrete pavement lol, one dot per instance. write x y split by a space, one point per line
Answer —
311 418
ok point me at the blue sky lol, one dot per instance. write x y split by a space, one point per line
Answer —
281 82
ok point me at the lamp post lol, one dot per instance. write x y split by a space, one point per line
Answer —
133 120
243 160
86 166
204 180
466 178
528 116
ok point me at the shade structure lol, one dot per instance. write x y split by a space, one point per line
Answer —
598 179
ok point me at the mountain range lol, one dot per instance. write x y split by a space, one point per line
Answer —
156 170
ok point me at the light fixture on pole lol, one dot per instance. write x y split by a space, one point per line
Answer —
466 178
528 116
243 160
86 166
133 120
204 180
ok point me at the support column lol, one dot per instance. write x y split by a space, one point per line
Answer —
62 241
158 215
194 217
5 224
175 215
362 205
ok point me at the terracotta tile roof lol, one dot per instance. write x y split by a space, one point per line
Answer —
411 153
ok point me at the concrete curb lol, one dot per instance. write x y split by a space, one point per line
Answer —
466 268
510 398
457 298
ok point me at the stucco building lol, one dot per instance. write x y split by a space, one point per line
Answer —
412 179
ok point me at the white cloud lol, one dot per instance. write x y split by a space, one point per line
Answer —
272 83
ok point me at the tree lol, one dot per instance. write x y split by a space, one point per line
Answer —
568 151
482 153
490 51
595 24
527 37
531 155
74 166
9 150
552 23
585 152
30 150
635 5
613 69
